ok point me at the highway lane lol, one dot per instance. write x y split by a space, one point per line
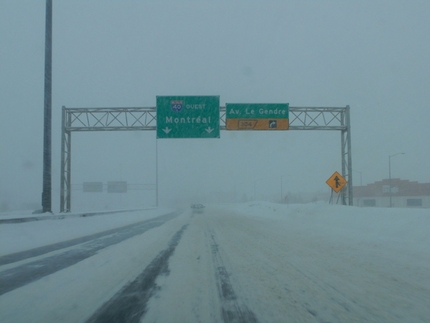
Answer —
225 266
82 248
231 267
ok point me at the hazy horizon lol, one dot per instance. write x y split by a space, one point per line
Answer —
370 55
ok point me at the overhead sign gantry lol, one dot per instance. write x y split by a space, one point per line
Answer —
142 119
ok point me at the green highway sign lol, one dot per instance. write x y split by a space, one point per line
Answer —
188 117
254 116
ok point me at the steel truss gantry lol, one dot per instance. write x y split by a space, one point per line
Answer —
141 118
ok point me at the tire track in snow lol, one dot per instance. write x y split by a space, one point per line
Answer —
232 310
35 252
129 305
22 275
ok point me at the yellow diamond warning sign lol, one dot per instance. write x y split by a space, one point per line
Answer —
336 182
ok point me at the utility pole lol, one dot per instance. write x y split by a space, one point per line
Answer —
47 128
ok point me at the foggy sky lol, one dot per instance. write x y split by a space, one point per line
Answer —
370 55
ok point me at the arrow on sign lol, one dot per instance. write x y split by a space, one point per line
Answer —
209 130
166 130
336 179
336 182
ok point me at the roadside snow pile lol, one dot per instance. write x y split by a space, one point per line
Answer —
404 228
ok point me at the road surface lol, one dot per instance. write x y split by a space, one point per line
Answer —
219 266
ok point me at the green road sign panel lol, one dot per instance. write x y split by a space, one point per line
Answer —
253 116
188 117
93 187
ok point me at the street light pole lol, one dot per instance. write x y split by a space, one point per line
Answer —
361 184
282 189
47 123
389 175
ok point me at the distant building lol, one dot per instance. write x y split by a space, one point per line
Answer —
404 193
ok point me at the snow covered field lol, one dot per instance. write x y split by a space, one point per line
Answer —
253 262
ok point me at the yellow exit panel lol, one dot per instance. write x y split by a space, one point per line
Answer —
257 124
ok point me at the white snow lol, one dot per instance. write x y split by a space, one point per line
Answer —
286 263
27 235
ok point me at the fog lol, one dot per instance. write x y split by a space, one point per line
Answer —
370 55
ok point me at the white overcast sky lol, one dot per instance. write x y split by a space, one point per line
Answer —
370 55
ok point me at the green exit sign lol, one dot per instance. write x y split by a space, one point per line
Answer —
188 117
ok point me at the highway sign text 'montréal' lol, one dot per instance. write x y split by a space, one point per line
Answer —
271 116
188 117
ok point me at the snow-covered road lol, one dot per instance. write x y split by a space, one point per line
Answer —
255 262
